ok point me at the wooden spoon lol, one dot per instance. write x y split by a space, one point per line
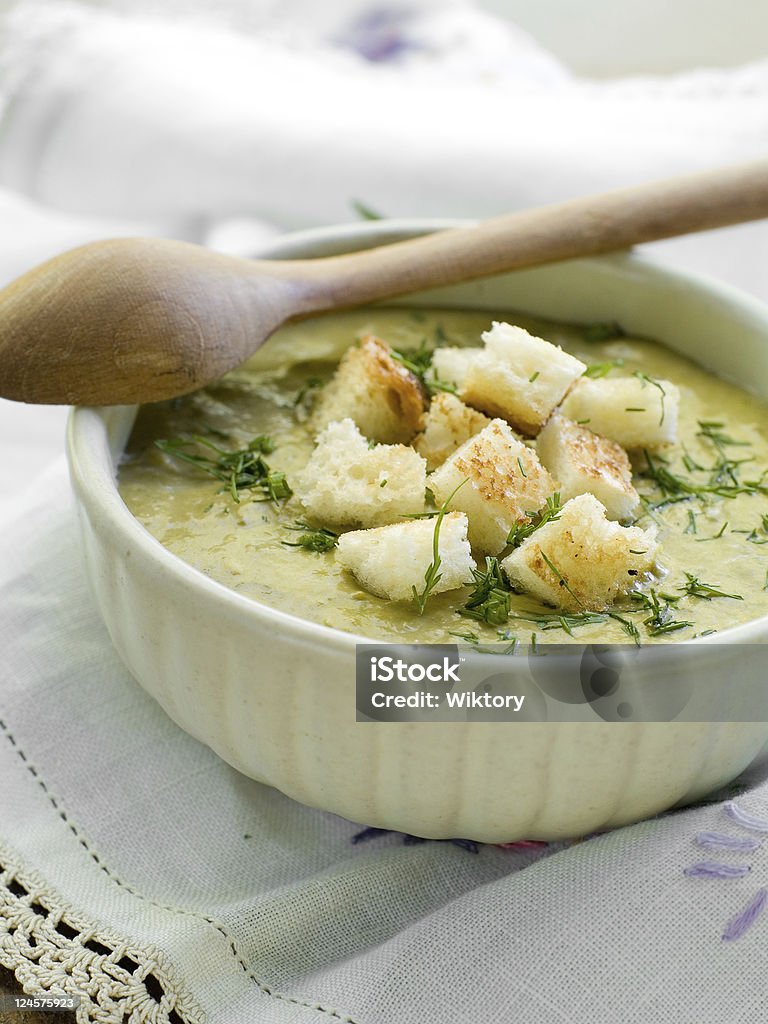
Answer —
143 319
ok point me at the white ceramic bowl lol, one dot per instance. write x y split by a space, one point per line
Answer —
274 695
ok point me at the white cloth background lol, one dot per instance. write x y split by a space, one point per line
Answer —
181 124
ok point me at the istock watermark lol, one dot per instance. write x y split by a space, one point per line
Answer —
713 682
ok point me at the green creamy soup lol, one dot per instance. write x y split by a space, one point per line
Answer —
713 546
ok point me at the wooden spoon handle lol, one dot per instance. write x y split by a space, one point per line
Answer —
581 227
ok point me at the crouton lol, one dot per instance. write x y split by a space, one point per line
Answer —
519 377
391 560
581 561
505 484
636 412
348 483
447 424
450 365
372 388
584 462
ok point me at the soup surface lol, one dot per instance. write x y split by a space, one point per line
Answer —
714 537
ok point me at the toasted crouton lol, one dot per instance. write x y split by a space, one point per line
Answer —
636 412
372 388
348 483
581 561
584 462
447 424
519 377
450 365
505 483
392 560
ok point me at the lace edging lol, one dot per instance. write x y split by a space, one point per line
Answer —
52 949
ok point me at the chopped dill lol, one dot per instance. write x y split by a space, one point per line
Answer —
364 211
691 527
567 621
306 393
627 625
469 636
489 601
696 588
432 575
662 618
715 536
596 370
241 470
602 331
312 538
419 362
563 581
533 376
549 514
654 383
522 467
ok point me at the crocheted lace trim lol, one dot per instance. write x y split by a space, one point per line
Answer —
54 950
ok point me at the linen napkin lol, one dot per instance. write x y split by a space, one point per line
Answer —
141 873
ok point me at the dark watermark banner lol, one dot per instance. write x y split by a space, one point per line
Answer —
712 682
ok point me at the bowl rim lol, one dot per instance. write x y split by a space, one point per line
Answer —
93 465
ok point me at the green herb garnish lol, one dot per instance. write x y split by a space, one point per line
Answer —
662 618
627 625
715 536
602 331
567 621
563 581
419 362
364 211
596 370
549 514
489 601
241 470
654 383
696 588
432 575
312 538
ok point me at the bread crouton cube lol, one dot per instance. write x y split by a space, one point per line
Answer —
583 462
581 561
375 390
348 483
505 484
391 560
447 424
450 365
636 412
519 377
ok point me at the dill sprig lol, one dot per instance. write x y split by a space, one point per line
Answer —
307 392
562 579
597 370
364 211
419 362
433 575
662 618
245 469
656 384
694 587
489 601
627 625
724 480
312 538
549 514
559 620
602 331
